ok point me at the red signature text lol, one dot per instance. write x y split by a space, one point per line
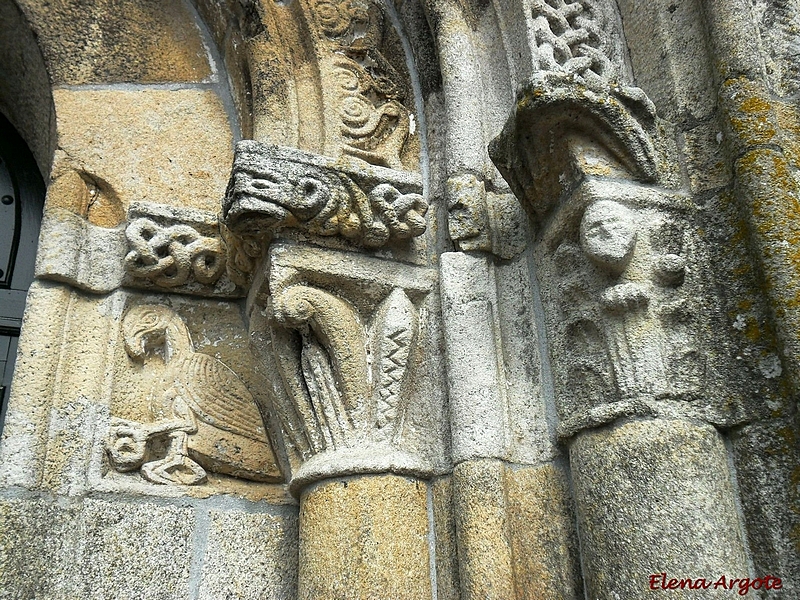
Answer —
659 581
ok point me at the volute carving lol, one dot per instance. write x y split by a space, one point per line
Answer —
340 400
274 188
213 423
343 331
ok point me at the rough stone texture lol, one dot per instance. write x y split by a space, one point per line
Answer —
24 443
446 551
359 388
171 147
85 41
486 563
250 557
515 531
361 535
659 170
768 471
654 496
114 567
541 525
88 549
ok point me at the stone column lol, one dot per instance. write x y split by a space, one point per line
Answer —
638 387
346 335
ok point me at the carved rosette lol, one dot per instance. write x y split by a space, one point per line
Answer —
349 359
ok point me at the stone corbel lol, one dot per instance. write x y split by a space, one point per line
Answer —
344 332
482 219
276 188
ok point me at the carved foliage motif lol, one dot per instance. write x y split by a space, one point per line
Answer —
339 399
212 422
374 122
273 188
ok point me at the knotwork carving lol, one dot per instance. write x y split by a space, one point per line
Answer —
273 188
170 255
213 423
577 37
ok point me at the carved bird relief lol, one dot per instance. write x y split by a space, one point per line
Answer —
215 424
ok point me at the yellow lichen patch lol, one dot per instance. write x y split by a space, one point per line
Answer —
750 112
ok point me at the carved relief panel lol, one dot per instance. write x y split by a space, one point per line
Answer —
348 335
188 403
366 88
624 288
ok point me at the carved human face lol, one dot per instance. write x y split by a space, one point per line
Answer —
608 234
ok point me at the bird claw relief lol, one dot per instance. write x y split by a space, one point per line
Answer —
207 419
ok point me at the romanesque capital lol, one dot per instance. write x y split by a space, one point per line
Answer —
276 188
346 335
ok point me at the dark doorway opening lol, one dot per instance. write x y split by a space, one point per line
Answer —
21 202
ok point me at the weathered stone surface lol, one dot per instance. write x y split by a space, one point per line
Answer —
669 56
358 390
24 444
89 549
39 549
446 550
250 556
515 531
654 496
170 147
476 402
544 542
85 41
362 536
486 563
115 566
768 469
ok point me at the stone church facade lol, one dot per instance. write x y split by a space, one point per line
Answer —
415 300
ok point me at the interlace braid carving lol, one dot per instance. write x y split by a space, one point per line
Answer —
572 36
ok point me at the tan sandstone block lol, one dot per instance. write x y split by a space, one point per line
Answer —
542 531
106 41
365 538
166 146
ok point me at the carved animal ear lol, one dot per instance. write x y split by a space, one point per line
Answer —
393 337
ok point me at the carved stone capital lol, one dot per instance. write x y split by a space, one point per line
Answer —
274 188
625 290
346 333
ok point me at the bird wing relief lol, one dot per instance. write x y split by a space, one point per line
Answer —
211 421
